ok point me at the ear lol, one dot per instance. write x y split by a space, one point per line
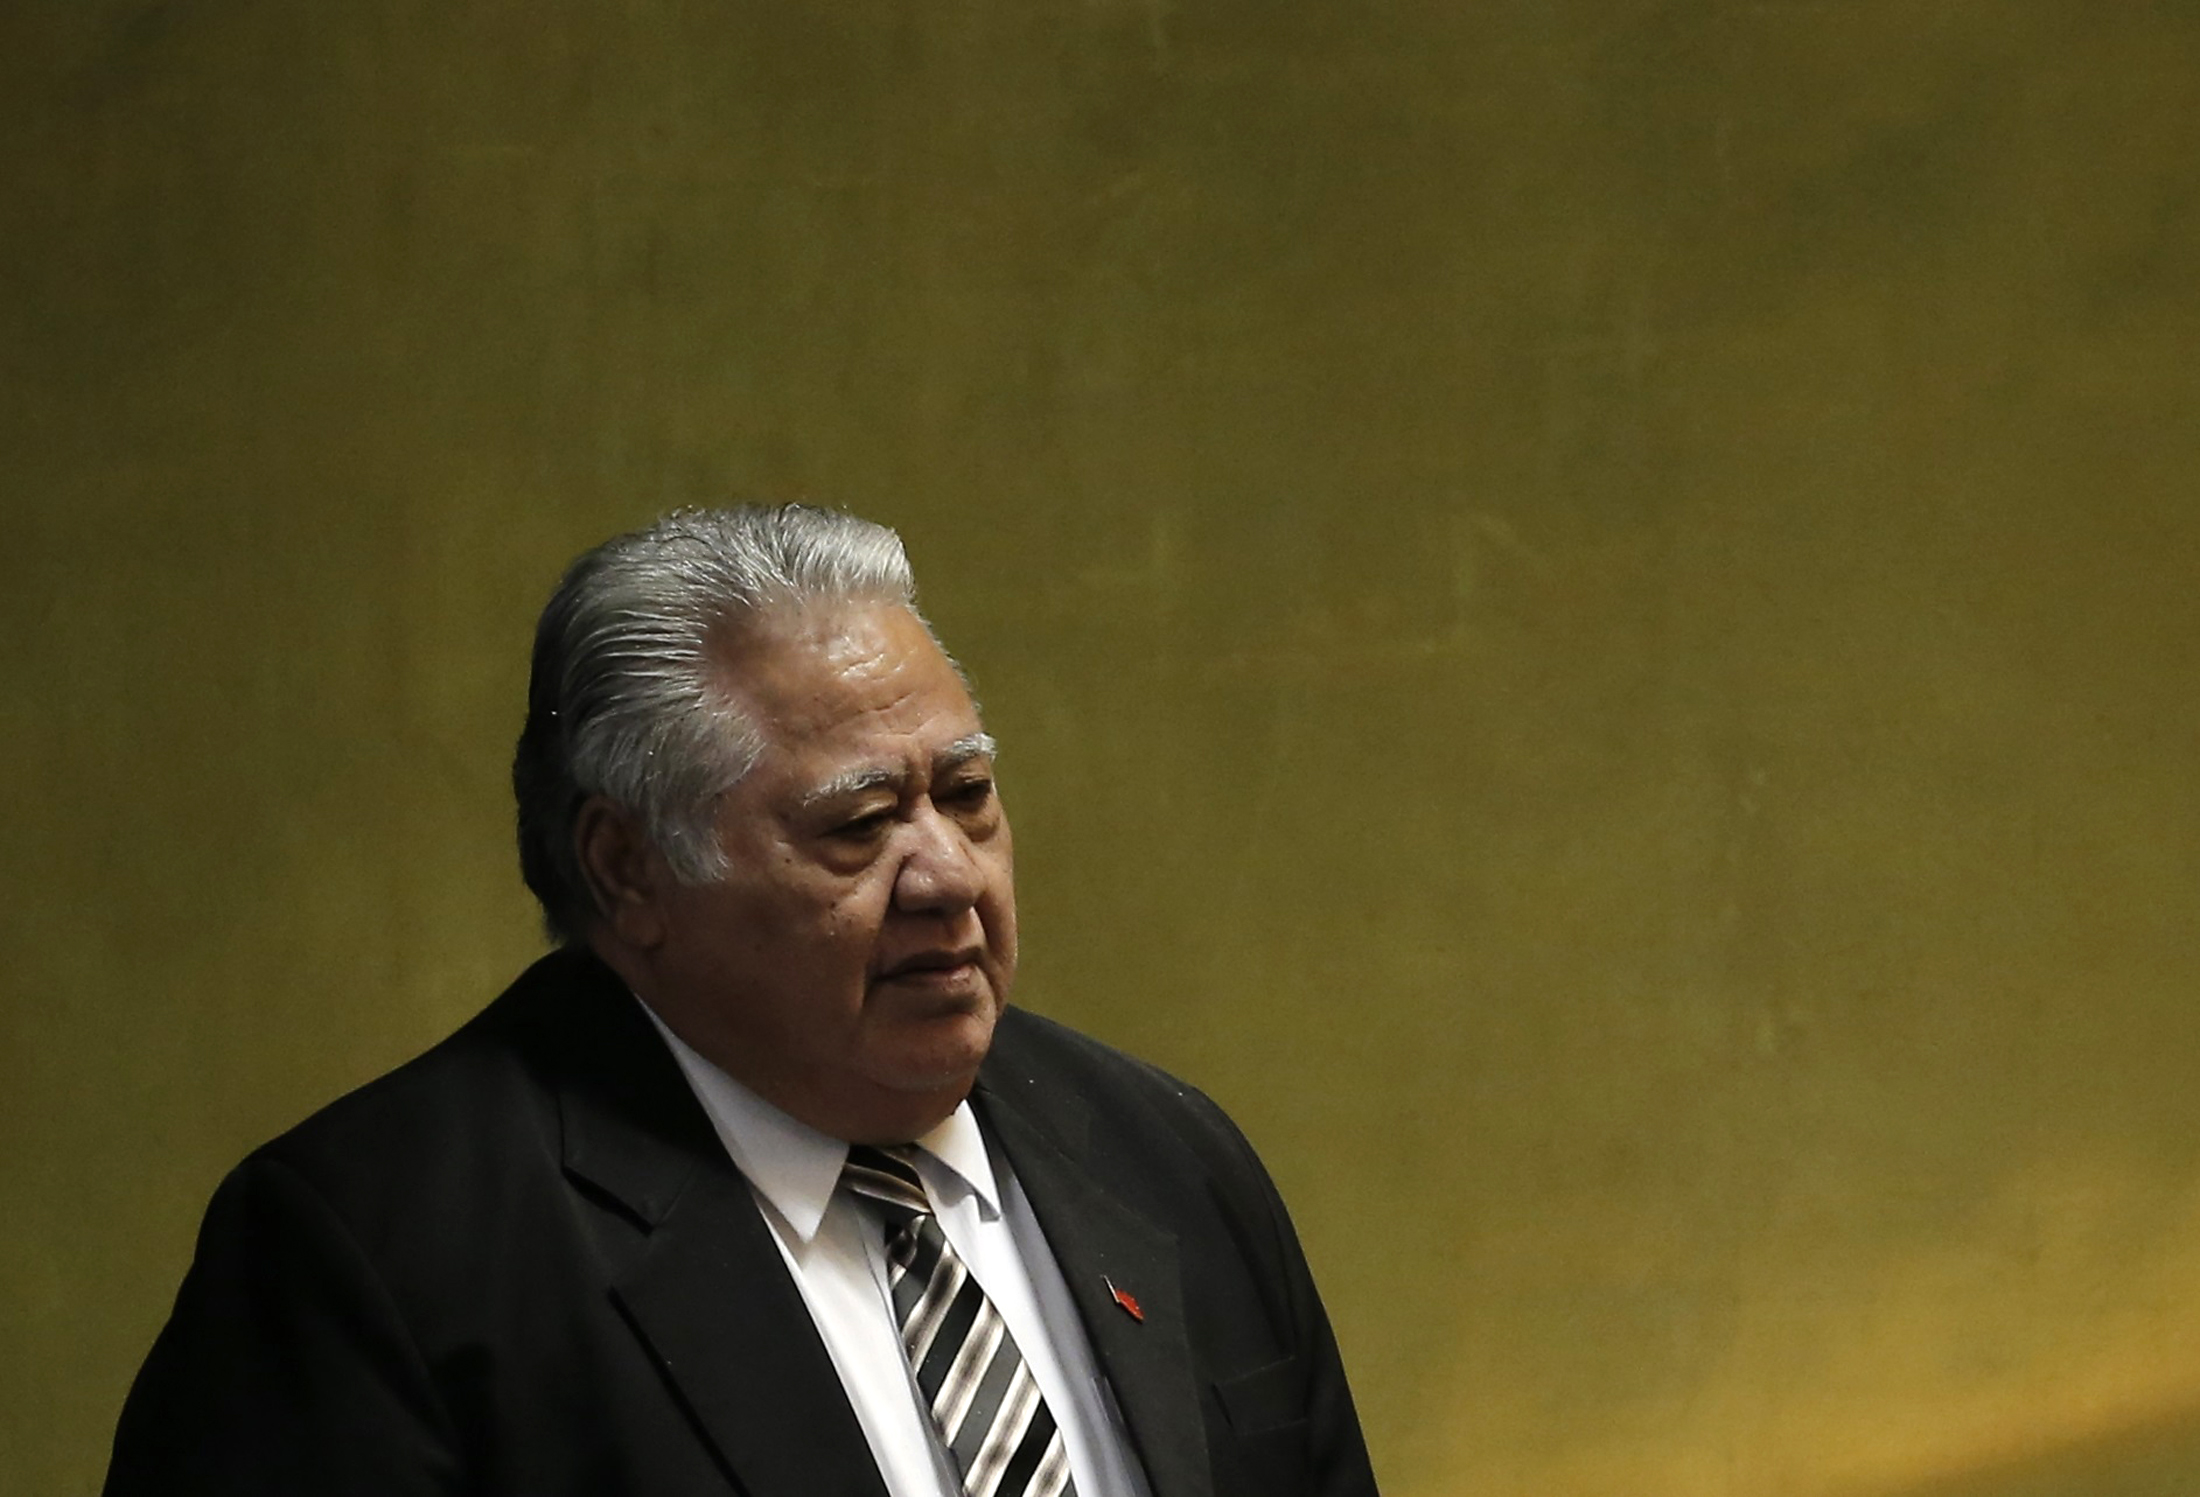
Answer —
626 875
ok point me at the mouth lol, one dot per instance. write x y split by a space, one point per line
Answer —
930 968
938 978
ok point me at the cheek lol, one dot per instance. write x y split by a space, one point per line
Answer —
1000 863
999 909
851 918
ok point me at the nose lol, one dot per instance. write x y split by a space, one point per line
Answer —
940 874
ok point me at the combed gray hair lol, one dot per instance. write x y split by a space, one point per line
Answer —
621 700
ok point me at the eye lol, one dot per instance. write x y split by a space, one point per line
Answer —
862 828
974 792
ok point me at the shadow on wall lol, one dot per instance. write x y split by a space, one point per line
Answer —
2153 1459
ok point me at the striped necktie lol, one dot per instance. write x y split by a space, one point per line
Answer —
987 1409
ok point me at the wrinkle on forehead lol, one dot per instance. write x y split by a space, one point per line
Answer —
807 675
828 629
851 636
854 641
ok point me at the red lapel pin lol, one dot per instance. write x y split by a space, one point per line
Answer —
1128 1302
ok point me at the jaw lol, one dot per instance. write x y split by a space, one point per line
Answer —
869 1112
913 1071
929 1046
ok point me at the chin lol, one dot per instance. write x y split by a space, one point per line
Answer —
946 1055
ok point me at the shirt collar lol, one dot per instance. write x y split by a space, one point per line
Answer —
796 1168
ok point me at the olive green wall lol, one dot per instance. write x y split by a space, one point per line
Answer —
1592 604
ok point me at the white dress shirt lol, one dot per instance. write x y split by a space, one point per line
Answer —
836 1250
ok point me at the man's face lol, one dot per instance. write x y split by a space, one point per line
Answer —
851 965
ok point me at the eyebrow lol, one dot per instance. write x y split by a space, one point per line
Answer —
964 749
856 781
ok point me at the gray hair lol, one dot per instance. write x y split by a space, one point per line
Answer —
621 700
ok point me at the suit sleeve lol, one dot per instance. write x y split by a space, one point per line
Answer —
284 1368
1335 1456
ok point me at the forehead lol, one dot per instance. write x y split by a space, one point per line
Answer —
849 680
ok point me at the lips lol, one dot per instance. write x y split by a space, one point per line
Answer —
925 963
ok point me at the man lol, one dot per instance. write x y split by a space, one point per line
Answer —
755 1185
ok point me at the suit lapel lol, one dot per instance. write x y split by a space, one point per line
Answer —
712 1298
705 1287
706 1291
1101 1241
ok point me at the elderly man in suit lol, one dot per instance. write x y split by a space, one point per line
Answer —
756 1184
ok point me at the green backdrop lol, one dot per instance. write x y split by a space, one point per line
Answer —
1592 605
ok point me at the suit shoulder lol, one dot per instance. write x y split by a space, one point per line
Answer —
449 1111
1030 1049
1036 1057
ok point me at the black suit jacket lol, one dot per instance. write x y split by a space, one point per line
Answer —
523 1264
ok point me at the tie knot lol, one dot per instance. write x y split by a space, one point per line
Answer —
887 1176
